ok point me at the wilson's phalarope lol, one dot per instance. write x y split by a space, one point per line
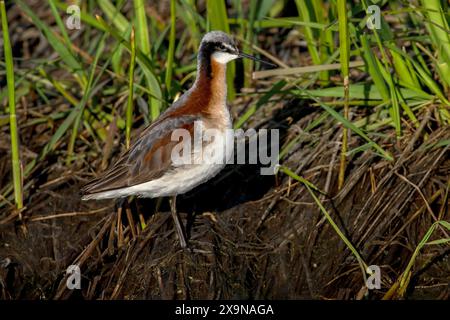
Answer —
147 169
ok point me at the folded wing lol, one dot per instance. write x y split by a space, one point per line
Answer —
147 159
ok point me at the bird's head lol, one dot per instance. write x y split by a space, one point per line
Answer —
219 46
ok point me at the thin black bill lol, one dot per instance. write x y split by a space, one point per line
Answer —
244 55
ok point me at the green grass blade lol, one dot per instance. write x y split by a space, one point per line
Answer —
218 20
395 109
307 16
129 115
344 50
438 26
248 64
60 23
326 45
15 160
142 34
373 68
171 50
403 70
114 15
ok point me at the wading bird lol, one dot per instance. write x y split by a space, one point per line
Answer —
147 169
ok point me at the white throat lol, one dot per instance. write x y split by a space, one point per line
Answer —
223 57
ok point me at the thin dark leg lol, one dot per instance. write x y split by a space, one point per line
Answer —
177 221
120 202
